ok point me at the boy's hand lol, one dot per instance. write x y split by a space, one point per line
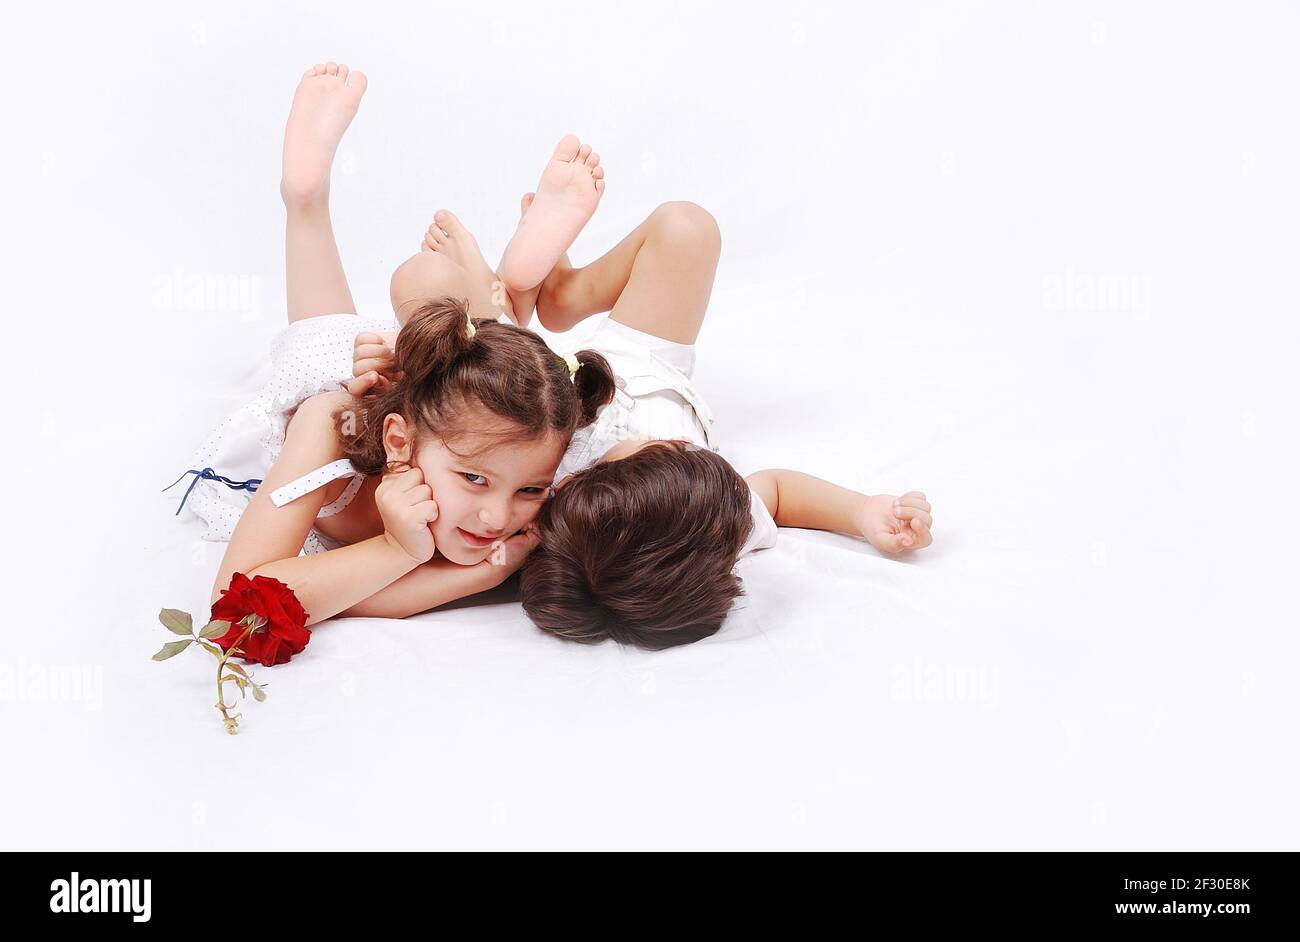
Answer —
373 362
509 554
894 524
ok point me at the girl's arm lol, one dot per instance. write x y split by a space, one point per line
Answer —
891 524
427 586
268 539
438 581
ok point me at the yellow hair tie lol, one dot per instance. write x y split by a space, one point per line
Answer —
572 363
469 326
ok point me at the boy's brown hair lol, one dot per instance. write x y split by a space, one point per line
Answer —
641 550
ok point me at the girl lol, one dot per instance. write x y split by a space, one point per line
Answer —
454 456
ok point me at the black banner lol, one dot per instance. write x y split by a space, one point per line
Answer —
1231 892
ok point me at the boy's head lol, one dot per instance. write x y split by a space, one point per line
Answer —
640 547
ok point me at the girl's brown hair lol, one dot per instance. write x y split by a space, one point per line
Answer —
505 370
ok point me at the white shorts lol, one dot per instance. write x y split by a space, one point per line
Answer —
655 398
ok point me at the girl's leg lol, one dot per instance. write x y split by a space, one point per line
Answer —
323 107
314 271
657 280
449 264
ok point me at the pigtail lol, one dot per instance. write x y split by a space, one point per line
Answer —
430 343
435 337
594 383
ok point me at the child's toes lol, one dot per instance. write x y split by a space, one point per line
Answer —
567 149
583 153
593 160
447 222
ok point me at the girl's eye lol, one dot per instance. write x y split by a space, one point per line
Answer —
476 479
531 490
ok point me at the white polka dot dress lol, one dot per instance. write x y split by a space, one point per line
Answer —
310 356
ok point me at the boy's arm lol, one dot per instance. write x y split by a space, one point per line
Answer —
891 524
373 362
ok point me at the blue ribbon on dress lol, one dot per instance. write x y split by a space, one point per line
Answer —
207 474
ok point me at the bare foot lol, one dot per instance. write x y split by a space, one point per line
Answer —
447 236
323 107
547 297
570 188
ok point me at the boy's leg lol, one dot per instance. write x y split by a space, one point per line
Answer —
571 185
657 280
323 107
523 303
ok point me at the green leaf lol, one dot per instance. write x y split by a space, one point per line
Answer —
176 621
212 649
258 693
240 682
172 648
214 629
232 666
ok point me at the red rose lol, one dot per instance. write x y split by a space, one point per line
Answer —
285 632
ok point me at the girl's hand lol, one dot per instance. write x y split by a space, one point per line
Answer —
407 507
373 362
894 524
509 554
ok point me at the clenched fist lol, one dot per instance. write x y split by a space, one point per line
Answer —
894 524
407 507
373 362
509 554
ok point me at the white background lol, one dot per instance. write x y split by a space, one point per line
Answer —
1036 260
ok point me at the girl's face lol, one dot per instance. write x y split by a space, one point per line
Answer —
484 498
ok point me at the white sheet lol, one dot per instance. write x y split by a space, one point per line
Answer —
915 206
